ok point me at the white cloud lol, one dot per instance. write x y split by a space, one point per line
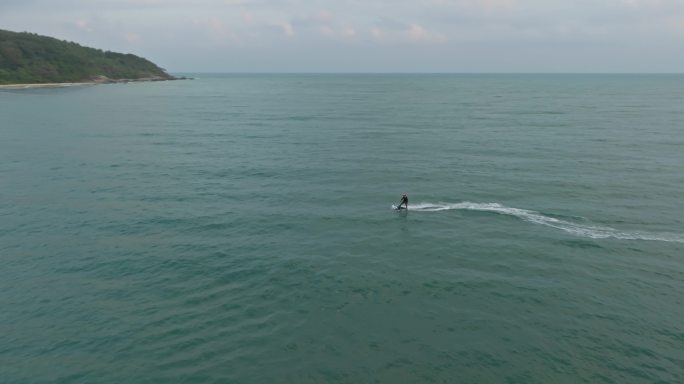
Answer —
403 34
84 25
420 34
288 30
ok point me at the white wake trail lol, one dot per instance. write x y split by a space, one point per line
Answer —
594 232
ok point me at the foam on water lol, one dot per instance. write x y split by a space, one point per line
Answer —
591 231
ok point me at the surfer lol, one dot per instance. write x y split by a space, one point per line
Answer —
404 201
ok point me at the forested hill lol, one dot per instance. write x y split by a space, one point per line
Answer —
30 58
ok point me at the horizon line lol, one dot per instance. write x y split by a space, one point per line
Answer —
415 73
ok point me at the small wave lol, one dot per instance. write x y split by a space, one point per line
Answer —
591 231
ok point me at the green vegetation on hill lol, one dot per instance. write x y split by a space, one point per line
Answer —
30 58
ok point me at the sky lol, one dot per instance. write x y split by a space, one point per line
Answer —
461 36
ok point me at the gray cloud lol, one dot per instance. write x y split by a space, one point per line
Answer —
372 35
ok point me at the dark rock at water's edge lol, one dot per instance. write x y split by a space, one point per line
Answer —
107 80
28 58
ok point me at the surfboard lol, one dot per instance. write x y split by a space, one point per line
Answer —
396 208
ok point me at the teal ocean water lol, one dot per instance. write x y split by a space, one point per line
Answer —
238 229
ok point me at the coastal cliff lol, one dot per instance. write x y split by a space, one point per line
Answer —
28 58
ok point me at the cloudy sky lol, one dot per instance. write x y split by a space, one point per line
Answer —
370 35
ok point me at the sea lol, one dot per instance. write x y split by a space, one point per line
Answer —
238 228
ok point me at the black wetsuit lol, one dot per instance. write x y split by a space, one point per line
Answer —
404 201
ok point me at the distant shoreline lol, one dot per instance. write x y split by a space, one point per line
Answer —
85 83
45 85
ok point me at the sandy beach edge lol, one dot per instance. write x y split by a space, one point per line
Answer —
45 85
84 83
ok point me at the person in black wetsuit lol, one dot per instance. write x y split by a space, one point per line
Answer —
404 201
